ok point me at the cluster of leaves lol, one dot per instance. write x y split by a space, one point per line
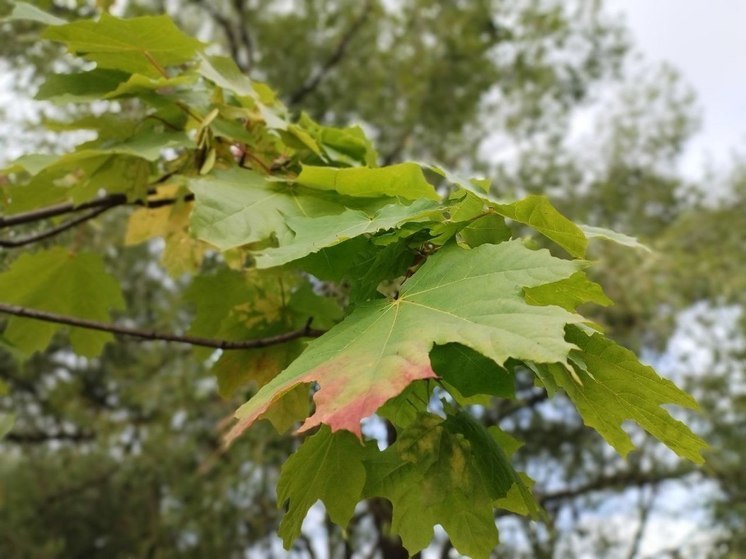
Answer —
432 294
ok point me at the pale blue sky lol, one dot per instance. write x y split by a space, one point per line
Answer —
706 41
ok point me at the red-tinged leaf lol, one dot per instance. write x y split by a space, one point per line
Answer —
472 297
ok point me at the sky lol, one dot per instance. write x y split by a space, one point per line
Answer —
705 40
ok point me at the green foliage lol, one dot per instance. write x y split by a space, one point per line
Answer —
75 284
145 45
431 287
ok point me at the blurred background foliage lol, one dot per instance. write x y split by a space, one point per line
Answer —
118 456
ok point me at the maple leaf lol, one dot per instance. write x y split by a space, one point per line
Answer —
116 43
538 212
243 305
337 478
472 297
617 387
311 234
182 253
449 472
59 281
239 207
404 180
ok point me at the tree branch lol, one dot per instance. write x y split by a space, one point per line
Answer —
243 34
37 437
109 201
335 58
54 231
621 479
529 402
305 332
99 206
225 24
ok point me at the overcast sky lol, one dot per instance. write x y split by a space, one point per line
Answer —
706 41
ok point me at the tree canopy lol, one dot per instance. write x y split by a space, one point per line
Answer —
429 295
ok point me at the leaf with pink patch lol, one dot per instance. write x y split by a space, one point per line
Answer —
472 297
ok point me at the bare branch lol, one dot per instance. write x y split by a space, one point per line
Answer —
335 58
99 206
243 34
305 332
108 201
619 480
54 231
225 25
38 437
646 506
530 401
240 43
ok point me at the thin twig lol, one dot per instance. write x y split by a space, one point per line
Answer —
335 58
646 506
243 33
109 200
305 332
105 203
226 25
526 403
621 479
39 437
54 231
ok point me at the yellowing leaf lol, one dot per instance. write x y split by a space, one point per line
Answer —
472 297
182 253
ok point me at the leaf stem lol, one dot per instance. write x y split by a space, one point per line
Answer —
161 70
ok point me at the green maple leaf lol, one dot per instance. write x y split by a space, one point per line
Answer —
101 83
239 207
448 472
472 297
568 293
224 72
59 281
26 11
233 305
311 234
336 476
616 387
470 372
348 146
490 228
404 180
142 45
7 420
539 213
80 87
592 232
360 263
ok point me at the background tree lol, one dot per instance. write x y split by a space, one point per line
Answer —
419 77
